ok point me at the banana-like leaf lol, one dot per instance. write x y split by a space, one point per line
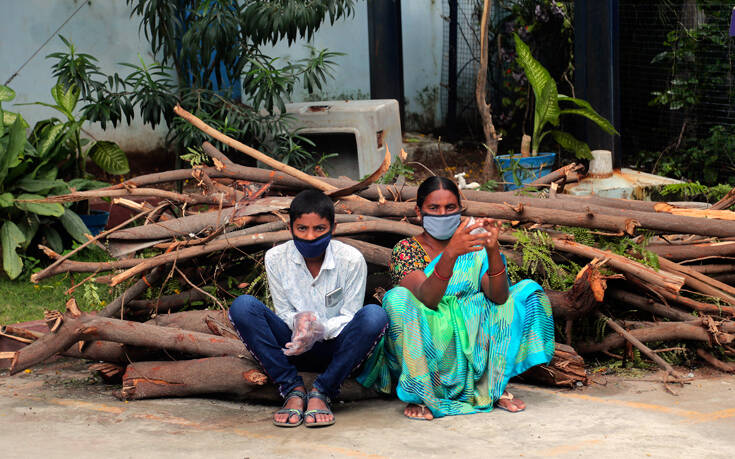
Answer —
66 100
29 228
74 225
11 238
536 74
10 117
593 116
44 187
16 142
53 239
109 157
569 142
6 94
81 184
545 111
49 139
6 200
50 209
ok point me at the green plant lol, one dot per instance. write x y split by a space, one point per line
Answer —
396 169
691 191
206 48
537 263
67 134
28 172
547 106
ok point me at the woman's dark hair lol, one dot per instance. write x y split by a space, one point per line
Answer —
312 201
434 183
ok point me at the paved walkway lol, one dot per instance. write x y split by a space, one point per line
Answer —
54 412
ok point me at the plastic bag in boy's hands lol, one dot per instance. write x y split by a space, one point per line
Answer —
307 330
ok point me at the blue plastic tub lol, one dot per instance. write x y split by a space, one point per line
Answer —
96 221
517 170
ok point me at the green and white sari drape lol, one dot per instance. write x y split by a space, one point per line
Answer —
458 359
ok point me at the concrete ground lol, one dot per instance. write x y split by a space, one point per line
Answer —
55 411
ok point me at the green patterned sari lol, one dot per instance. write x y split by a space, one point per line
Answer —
458 359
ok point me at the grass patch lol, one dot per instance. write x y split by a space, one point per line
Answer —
22 301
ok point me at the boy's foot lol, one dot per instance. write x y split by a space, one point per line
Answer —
318 412
292 412
419 412
509 403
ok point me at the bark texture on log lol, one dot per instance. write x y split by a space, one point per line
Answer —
663 332
587 291
228 375
565 369
86 327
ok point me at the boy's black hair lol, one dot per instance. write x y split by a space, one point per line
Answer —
311 201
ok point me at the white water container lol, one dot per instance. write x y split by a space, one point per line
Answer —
602 180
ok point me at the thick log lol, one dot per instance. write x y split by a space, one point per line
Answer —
715 362
373 253
700 282
646 304
565 369
587 291
222 375
699 306
202 321
694 251
186 378
713 269
664 332
86 327
522 213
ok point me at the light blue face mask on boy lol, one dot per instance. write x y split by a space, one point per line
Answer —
441 227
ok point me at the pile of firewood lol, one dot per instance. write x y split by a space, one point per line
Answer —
159 350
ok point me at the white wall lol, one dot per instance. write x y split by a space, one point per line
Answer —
105 30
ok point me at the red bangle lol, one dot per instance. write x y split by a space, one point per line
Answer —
440 277
497 274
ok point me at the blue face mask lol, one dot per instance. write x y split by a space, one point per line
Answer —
441 227
312 248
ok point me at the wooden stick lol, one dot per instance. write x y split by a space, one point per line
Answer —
642 347
253 153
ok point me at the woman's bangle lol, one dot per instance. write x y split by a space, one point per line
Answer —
440 277
502 271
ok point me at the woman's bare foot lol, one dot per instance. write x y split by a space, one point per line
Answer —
509 403
420 412
295 403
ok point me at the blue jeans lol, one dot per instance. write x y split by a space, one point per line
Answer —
265 334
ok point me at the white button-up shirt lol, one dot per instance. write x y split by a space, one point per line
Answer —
335 294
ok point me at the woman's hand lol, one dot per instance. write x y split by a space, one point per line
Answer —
492 228
463 242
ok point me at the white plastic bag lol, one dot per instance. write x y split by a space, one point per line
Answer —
307 330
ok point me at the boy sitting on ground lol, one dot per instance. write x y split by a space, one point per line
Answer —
318 286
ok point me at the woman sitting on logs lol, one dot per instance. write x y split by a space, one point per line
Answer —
457 331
